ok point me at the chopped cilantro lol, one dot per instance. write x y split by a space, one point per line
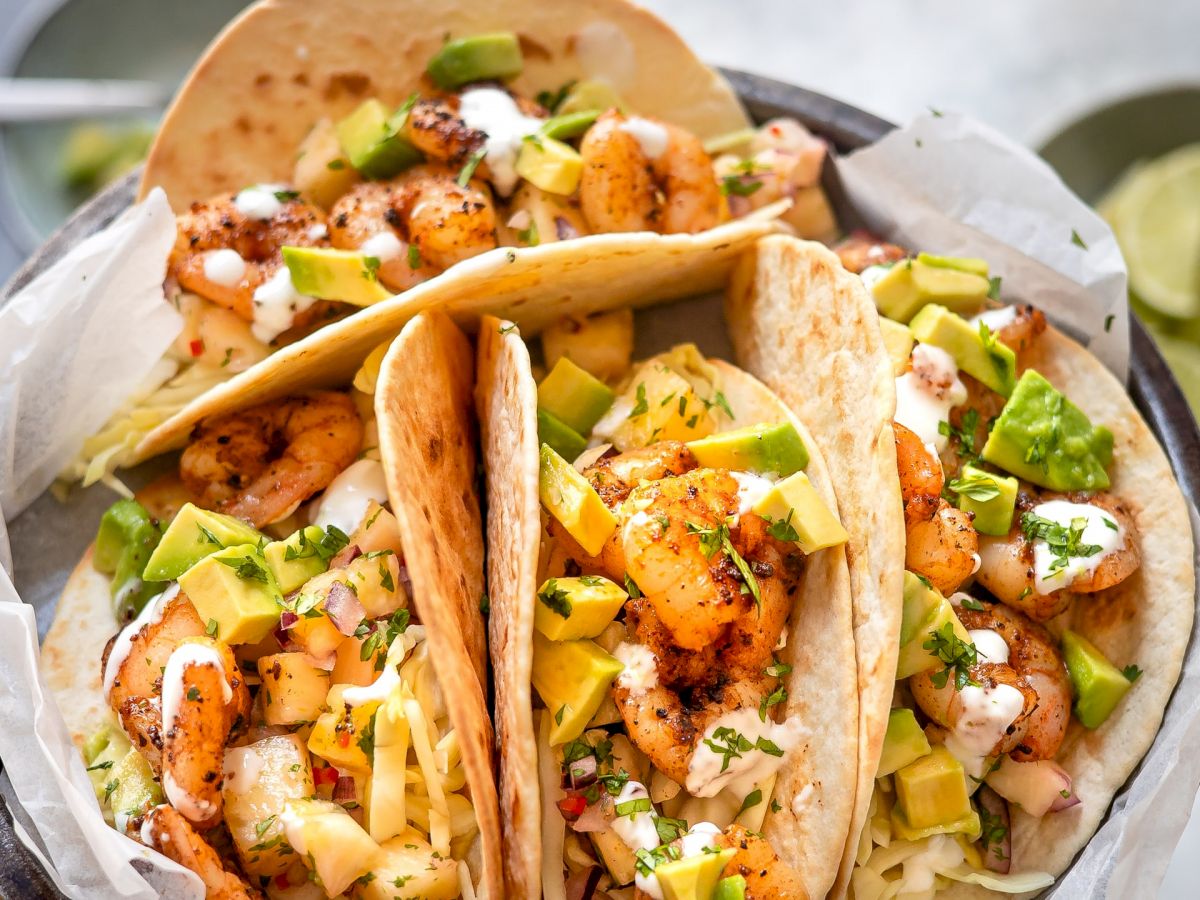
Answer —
958 655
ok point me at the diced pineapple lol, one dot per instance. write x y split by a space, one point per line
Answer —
662 407
294 688
295 884
316 635
385 791
601 343
378 530
260 779
340 736
334 845
376 580
322 171
408 869
351 668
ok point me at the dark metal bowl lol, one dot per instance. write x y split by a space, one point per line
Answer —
846 128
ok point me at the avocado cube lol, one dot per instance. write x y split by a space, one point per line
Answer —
573 608
764 448
694 877
561 438
235 589
193 534
589 95
925 611
572 678
1099 685
570 125
910 285
798 514
295 560
550 164
731 888
125 540
327 274
993 515
481 57
372 139
974 348
903 744
1043 437
969 264
575 397
932 792
896 296
101 752
898 340
569 497
134 788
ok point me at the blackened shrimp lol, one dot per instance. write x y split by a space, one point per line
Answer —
166 831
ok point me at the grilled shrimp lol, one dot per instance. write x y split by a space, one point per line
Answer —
862 250
767 876
921 476
166 831
417 225
1020 328
261 463
224 254
614 477
1034 667
644 175
436 128
1006 566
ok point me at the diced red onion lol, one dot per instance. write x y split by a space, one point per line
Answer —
580 773
345 556
582 884
594 818
343 608
564 229
1072 799
287 619
344 790
997 855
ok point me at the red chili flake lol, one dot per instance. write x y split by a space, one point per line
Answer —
196 347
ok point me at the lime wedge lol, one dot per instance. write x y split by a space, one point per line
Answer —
1155 212
1184 359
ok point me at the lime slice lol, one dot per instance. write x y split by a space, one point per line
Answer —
1184 359
1155 212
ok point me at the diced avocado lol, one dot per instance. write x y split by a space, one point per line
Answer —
903 744
193 534
931 793
898 340
569 497
344 275
993 512
969 264
101 752
372 139
925 611
550 164
574 396
974 348
1099 685
911 284
235 589
124 542
295 560
134 788
481 57
572 678
798 514
570 125
731 888
588 95
1043 437
693 877
573 608
765 448
561 438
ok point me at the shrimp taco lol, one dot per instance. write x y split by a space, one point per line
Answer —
676 695
318 167
295 695
1049 586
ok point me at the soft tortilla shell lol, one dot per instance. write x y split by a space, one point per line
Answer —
284 64
808 328
533 286
423 405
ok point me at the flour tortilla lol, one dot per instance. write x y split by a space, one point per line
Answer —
815 790
284 64
809 330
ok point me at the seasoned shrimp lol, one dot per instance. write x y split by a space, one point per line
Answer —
1022 329
921 477
1034 667
166 831
630 183
436 128
614 477
767 876
417 225
261 463
201 262
1006 566
862 250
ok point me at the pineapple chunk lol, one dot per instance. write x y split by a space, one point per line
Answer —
340 736
376 580
601 343
334 845
260 779
322 171
408 869
378 530
385 791
294 688
662 407
351 668
316 635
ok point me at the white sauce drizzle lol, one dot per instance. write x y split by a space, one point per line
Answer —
925 396
318 232
191 808
224 267
635 829
989 645
276 303
1109 540
259 201
348 496
151 614
995 319
751 489
641 666
983 718
383 246
651 136
242 768
497 115
872 275
705 778
189 654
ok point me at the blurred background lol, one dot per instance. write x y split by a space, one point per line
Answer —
1107 90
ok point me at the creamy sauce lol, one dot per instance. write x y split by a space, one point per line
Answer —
699 839
496 114
242 768
375 692
346 500
259 201
995 319
1108 539
383 246
872 275
147 832
989 645
151 614
705 778
188 806
751 489
651 136
925 396
276 303
983 718
318 232
224 267
636 829
185 655
641 667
